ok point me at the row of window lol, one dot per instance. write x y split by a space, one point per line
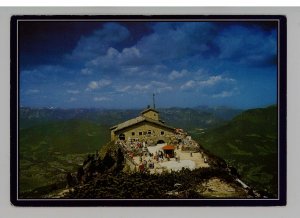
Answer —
145 133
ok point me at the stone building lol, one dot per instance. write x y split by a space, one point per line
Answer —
146 128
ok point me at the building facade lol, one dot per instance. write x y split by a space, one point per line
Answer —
146 128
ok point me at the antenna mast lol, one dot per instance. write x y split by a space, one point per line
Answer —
153 101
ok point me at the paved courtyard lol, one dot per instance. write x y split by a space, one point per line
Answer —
184 159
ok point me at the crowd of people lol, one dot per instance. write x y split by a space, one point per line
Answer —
138 153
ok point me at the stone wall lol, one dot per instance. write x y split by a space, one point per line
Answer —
148 132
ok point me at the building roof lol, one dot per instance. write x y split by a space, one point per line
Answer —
168 147
137 120
149 109
128 123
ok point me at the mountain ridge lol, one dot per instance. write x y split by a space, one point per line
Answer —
249 143
187 118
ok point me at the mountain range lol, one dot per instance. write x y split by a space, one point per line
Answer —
55 141
178 117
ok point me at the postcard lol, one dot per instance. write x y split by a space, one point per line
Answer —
164 110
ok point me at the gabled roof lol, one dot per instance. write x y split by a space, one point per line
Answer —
137 120
149 109
128 123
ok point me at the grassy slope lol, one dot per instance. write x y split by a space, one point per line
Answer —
248 142
47 151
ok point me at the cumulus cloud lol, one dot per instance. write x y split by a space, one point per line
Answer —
177 40
223 94
217 81
123 88
113 58
98 42
183 45
86 71
226 93
188 85
153 86
177 74
98 84
93 85
212 80
167 42
162 59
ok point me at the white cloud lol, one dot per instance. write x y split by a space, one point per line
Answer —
86 71
160 86
153 86
114 58
223 94
164 89
123 88
101 99
93 85
214 80
103 83
98 84
176 40
142 87
176 74
211 81
73 91
188 85
97 43
132 52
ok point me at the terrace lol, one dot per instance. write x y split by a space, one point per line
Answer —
162 157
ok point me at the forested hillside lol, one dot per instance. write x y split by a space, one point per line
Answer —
249 143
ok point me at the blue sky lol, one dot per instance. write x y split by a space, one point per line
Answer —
120 64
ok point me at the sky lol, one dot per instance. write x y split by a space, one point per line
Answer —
121 64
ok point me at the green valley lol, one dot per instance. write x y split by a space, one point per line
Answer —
48 151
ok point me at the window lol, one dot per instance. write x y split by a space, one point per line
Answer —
122 136
162 132
149 132
140 133
133 133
